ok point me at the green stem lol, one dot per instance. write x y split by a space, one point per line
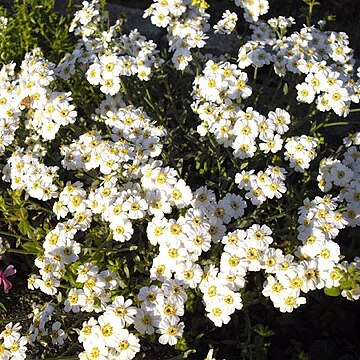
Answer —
15 319
255 73
317 127
308 20
63 358
19 251
339 123
10 234
248 332
125 91
355 110
280 83
40 207
100 248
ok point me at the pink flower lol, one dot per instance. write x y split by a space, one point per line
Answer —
9 271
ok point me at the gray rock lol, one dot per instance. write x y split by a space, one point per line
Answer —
62 5
135 20
218 44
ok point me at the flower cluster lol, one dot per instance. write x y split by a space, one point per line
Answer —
60 249
281 22
95 292
300 150
29 92
183 240
26 171
265 184
87 20
107 337
319 266
129 55
227 23
135 139
160 310
253 8
324 57
186 25
9 106
12 343
344 176
43 328
108 55
217 93
47 110
115 190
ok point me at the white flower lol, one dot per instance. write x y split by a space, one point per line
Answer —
289 301
110 86
122 228
171 331
89 329
75 300
306 93
10 334
18 348
281 119
174 291
218 313
274 289
189 273
120 312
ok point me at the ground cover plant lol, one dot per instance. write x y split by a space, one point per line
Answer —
158 200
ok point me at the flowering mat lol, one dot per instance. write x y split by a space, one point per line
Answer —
158 200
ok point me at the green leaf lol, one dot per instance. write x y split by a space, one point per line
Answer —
2 204
334 291
16 196
31 247
204 169
181 345
346 283
285 89
351 269
122 284
2 306
263 330
244 165
24 214
126 271
24 227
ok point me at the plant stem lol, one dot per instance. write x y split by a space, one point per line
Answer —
63 358
339 123
41 207
248 332
10 234
255 73
68 350
101 247
19 251
15 319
